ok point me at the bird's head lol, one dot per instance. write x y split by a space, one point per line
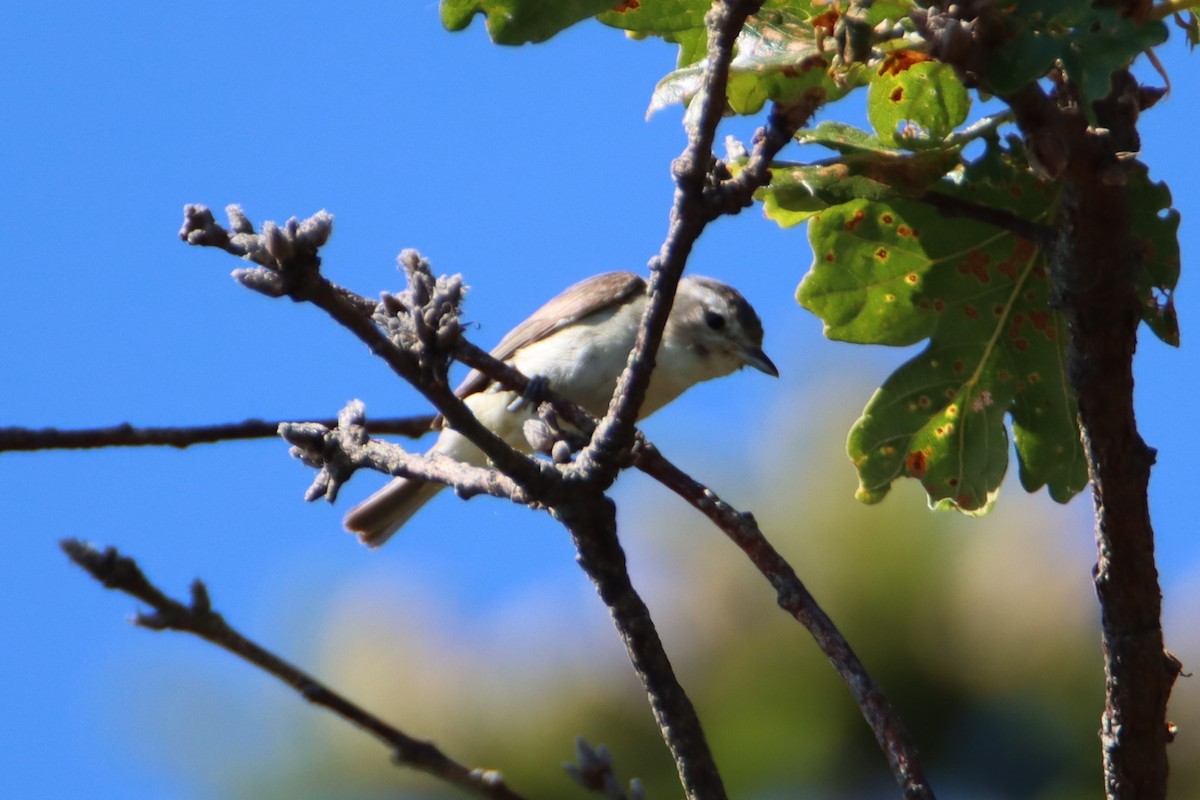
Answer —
718 327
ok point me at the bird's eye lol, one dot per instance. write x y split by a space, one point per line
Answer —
714 320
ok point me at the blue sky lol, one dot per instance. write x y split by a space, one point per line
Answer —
524 169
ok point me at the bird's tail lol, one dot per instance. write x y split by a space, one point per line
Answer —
385 512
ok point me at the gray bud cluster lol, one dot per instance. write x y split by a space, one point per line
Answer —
424 318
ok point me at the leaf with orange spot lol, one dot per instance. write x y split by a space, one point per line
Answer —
896 272
915 103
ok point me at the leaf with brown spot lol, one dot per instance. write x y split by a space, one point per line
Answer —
895 272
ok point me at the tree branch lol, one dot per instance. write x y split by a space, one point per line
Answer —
118 572
950 206
593 529
704 191
1094 277
698 200
339 451
793 597
1093 273
290 267
181 436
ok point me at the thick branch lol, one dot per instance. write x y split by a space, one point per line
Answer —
593 528
1094 265
118 572
1094 277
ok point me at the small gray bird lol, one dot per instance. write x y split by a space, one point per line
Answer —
579 343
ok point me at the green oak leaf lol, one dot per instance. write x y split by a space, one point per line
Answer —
915 103
797 191
1105 44
895 272
1090 43
657 18
843 138
865 169
776 62
1191 27
1035 38
783 52
521 21
1155 225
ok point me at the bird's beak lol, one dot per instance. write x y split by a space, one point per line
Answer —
755 357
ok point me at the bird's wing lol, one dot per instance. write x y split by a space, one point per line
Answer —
575 303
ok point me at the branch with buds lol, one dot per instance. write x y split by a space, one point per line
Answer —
417 332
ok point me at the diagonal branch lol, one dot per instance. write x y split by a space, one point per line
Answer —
593 528
119 572
950 206
793 597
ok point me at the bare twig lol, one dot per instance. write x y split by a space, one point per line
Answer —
119 572
951 206
181 436
698 200
594 771
339 451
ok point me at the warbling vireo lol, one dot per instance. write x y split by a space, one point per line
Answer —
579 343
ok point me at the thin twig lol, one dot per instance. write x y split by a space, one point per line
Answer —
119 572
181 436
594 770
951 206
339 451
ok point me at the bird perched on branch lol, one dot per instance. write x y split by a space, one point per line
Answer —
578 344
